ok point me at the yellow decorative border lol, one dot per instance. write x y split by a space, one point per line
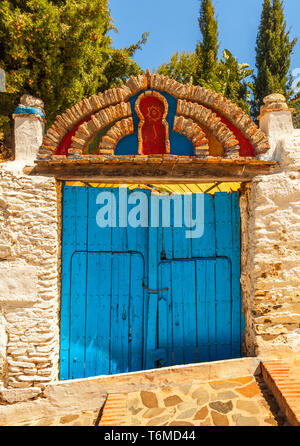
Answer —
142 120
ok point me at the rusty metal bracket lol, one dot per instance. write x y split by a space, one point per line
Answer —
154 291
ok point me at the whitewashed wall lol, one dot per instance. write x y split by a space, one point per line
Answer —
29 298
270 209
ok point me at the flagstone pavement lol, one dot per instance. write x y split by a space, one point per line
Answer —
244 401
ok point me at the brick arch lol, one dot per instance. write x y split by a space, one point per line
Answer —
61 135
204 116
81 112
194 133
99 121
216 102
118 131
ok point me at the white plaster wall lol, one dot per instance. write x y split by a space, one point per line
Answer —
29 132
29 297
271 256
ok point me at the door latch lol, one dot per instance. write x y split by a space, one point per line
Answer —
154 291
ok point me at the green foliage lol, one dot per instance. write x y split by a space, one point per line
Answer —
273 55
207 49
60 51
225 75
8 103
295 103
181 67
233 77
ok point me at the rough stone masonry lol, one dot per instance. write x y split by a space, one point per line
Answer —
29 297
270 209
30 262
28 279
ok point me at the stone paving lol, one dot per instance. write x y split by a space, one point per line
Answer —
241 401
84 418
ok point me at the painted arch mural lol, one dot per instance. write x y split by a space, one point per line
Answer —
154 115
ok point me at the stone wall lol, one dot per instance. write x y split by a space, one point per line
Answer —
30 238
29 288
270 209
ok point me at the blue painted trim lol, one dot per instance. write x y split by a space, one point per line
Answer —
23 110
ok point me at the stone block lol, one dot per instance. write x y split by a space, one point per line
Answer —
18 284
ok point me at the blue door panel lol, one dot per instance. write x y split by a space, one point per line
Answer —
98 296
77 314
139 298
195 313
106 313
74 230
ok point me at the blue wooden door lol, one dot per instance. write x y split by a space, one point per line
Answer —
106 314
194 311
199 310
102 308
145 297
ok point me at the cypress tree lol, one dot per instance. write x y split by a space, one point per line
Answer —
203 67
273 55
207 49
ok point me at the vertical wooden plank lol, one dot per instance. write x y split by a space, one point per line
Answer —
136 313
74 229
165 326
119 358
228 244
210 290
99 239
67 250
224 243
223 309
138 237
178 310
77 316
165 251
205 246
167 232
206 324
223 224
151 333
119 233
98 289
98 314
189 315
237 328
182 246
138 240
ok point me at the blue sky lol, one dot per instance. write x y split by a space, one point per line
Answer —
173 25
